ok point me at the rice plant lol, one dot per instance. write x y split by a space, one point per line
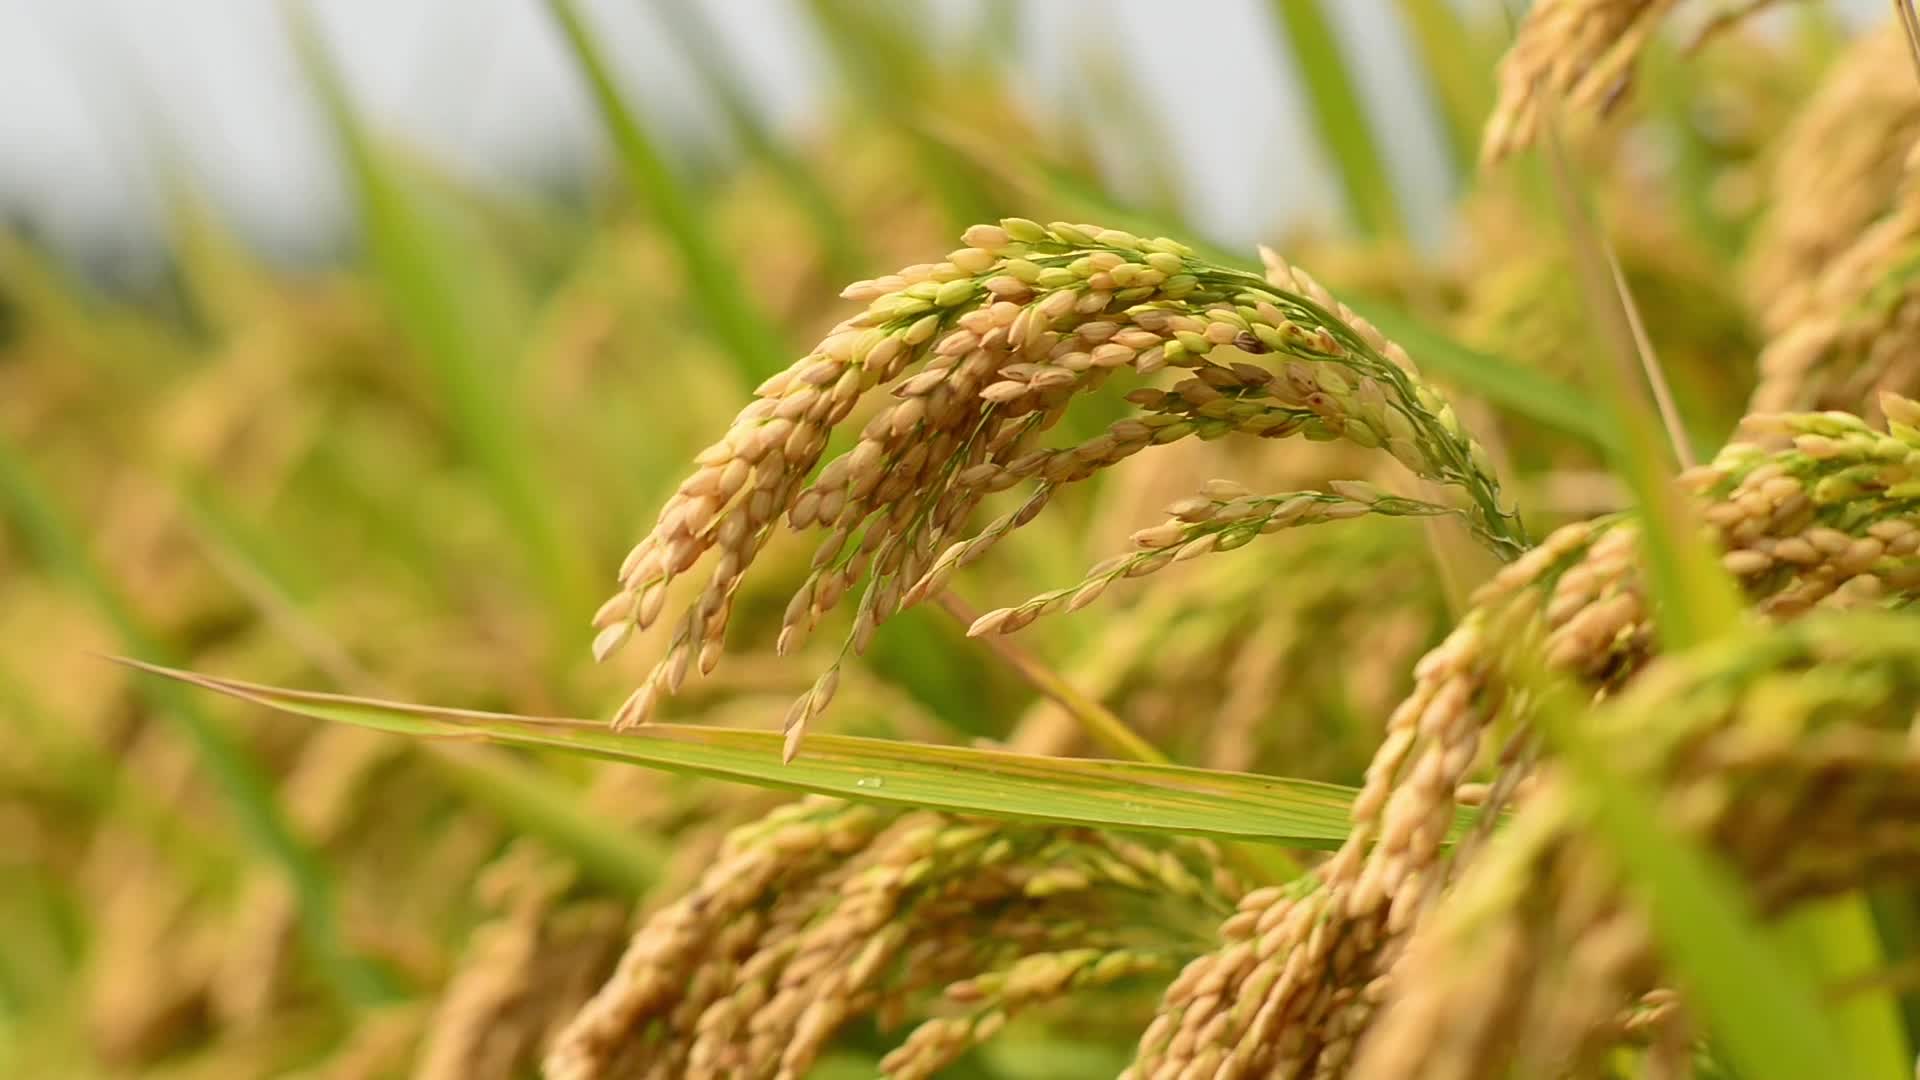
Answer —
1087 650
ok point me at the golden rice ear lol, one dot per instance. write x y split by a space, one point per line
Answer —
1540 930
1223 517
825 912
981 354
1861 337
1817 523
1579 55
1902 410
1838 167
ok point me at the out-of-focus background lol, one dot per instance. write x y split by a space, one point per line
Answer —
101 94
486 88
351 350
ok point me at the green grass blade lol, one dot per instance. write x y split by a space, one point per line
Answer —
712 281
1767 1020
1837 939
1340 118
1103 794
697 39
453 319
240 781
219 278
1114 105
888 70
621 859
1694 597
1458 69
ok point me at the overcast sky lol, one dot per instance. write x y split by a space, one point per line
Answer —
90 89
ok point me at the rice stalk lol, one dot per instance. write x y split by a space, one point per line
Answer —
1340 118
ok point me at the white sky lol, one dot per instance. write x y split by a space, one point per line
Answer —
89 89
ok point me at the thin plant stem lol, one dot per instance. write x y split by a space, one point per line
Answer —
1650 362
1910 22
1100 722
1261 862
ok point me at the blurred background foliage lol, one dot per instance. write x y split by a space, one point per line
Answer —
409 470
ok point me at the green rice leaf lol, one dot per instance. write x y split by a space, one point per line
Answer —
240 780
991 783
1693 596
1520 390
1837 939
699 40
1767 1020
713 283
453 316
1340 118
1457 67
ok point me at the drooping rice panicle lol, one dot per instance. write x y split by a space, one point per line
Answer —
1302 970
1837 170
1224 516
992 998
824 912
984 352
1834 515
1582 53
1856 332
1803 786
525 977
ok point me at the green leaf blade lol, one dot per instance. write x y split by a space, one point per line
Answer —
1767 1019
451 313
240 780
713 281
1340 118
1101 794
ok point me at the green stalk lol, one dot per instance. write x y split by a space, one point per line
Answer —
1695 599
713 283
888 70
1340 118
1835 939
1767 1019
697 39
444 307
240 781
1457 69
522 796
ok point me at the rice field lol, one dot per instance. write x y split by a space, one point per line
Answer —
904 601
